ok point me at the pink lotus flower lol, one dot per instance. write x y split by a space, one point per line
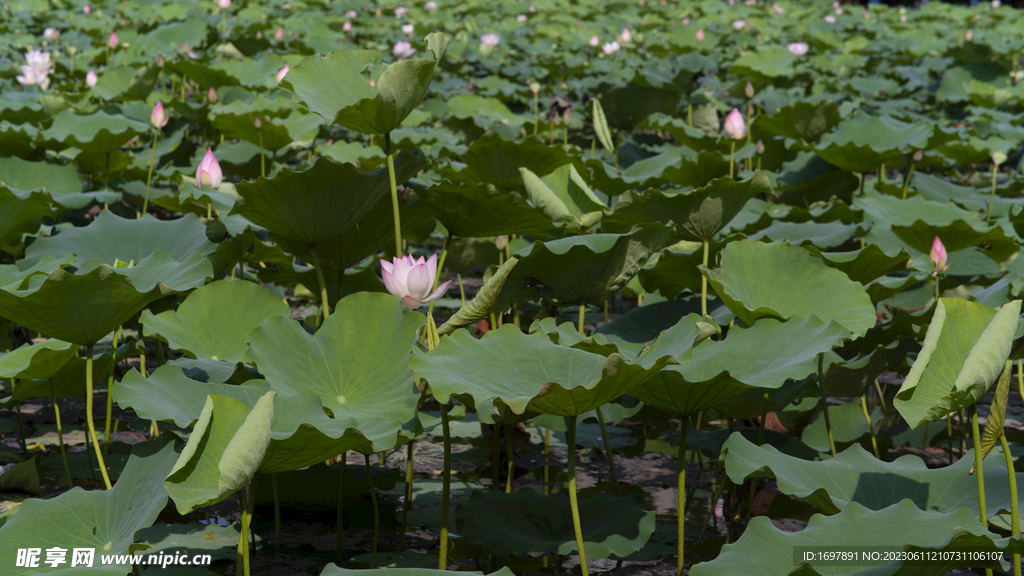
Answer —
408 29
626 36
36 69
611 48
798 49
158 118
86 9
431 5
938 257
734 126
739 24
279 34
51 34
594 41
224 4
686 20
400 11
700 35
209 173
403 50
778 9
830 19
521 18
411 280
489 40
212 96
969 35
346 26
351 14
91 79
282 73
112 41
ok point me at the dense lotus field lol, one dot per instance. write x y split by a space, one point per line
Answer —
526 287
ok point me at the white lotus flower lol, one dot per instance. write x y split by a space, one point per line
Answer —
611 48
403 50
411 279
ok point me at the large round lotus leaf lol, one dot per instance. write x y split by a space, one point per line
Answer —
800 120
857 476
85 306
223 453
764 355
824 235
528 521
675 273
628 105
110 238
767 62
99 133
888 211
583 269
21 212
481 211
242 126
213 321
67 380
565 198
492 159
764 549
558 380
956 236
102 520
643 324
25 175
309 207
126 83
333 570
13 276
17 140
865 265
850 378
335 87
861 145
36 361
778 280
699 214
964 352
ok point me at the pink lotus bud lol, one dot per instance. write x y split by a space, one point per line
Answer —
700 35
209 173
567 116
346 26
373 84
431 5
969 35
86 9
594 41
408 29
798 49
626 36
212 96
91 79
282 73
748 90
352 13
51 34
411 280
112 42
279 34
918 155
158 118
521 18
686 21
257 123
938 257
734 126
501 242
739 24
830 19
759 148
224 4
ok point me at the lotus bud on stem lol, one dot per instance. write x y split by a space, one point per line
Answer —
997 159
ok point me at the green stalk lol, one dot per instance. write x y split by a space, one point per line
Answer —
110 397
341 502
764 418
446 487
508 454
149 177
681 497
440 268
547 450
323 284
608 451
978 465
871 426
408 490
881 174
263 156
732 159
462 289
824 404
992 197
394 195
863 177
89 418
60 434
583 314
536 112
250 503
496 436
571 438
277 516
906 182
1014 512
21 424
704 284
376 513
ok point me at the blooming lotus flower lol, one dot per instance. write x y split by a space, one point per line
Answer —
700 35
969 35
686 20
209 173
611 48
996 4
279 34
778 9
91 79
403 50
938 257
86 9
521 18
734 126
36 69
112 41
411 279
158 118
282 73
408 29
400 11
798 49
903 18
431 5
489 40
739 24
350 14
224 4
346 26
830 19
594 41
51 34
626 36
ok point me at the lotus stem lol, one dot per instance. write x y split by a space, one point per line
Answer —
949 436
496 437
508 454
1014 512
410 449
462 289
1020 378
992 197
241 554
250 503
149 177
21 423
871 425
547 450
341 503
732 159
60 434
863 178
89 417
323 284
583 315
978 465
446 487
394 195
714 504
110 396
704 284
536 112
689 114
608 451
824 404
376 513
681 497
263 155
906 182
605 311
277 516
570 435
440 269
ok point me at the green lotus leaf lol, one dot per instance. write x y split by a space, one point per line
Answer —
99 133
14 276
309 207
334 86
36 361
778 280
861 145
800 120
494 160
273 131
213 321
110 238
643 324
483 303
699 214
959 235
102 520
223 453
764 549
688 135
583 269
765 355
887 211
851 378
21 212
481 211
66 380
333 570
17 140
824 235
528 521
865 265
766 62
24 175
963 354
558 380
565 198
85 306
126 83
22 477
627 106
